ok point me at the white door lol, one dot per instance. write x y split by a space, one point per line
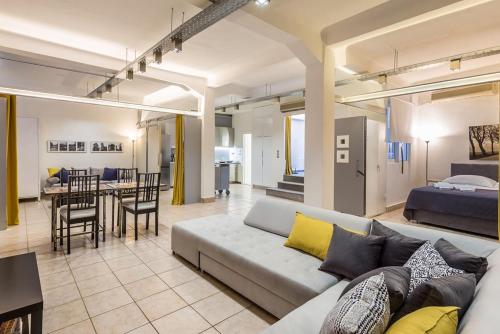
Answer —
267 162
27 155
375 168
247 158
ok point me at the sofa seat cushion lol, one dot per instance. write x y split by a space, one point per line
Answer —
260 256
309 317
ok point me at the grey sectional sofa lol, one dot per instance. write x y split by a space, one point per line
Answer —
248 255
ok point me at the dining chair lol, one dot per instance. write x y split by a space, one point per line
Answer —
125 175
83 196
147 197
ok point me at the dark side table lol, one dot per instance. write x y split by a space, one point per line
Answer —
20 291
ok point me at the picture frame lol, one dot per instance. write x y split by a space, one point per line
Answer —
66 146
106 147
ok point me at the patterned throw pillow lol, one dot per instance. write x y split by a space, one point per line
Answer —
426 263
363 310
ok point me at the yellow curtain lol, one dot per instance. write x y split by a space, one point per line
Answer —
288 145
178 196
12 199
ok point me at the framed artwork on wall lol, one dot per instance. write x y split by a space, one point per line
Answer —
66 146
106 147
483 142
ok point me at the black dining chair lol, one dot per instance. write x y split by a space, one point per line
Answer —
147 197
83 196
125 175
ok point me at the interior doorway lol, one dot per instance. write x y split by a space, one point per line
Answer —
297 141
247 158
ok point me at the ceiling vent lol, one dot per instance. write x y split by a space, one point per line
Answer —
488 89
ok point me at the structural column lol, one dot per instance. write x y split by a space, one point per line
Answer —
319 131
3 163
208 145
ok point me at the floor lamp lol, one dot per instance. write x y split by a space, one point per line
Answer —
427 163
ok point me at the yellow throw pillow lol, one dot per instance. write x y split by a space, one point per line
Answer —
52 171
427 320
310 235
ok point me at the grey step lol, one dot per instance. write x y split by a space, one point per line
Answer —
291 186
293 178
287 194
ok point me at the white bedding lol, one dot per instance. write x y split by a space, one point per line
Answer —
462 187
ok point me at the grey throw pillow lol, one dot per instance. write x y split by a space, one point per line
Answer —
457 290
363 310
351 254
426 263
459 259
397 280
397 247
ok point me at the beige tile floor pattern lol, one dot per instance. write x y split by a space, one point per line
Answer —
128 286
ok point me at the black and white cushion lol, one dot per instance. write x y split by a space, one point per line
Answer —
363 310
426 263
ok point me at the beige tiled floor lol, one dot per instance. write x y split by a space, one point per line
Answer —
128 286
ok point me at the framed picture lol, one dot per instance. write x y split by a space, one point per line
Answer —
66 146
342 156
483 142
343 141
106 147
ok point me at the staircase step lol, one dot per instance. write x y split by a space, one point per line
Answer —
291 186
293 178
297 196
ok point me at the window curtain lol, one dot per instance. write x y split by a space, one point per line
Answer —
288 145
11 191
178 196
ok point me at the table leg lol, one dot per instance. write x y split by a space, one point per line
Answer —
25 325
103 217
37 321
54 221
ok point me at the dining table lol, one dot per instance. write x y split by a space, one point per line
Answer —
57 192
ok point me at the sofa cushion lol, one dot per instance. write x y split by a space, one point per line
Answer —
110 174
258 256
428 320
459 259
363 310
425 264
397 247
310 235
397 280
96 171
457 290
351 254
278 216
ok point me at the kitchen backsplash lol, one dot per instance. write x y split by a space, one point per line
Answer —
228 154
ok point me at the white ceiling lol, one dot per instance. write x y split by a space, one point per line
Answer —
108 28
465 31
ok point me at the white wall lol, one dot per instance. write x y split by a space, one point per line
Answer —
80 122
448 123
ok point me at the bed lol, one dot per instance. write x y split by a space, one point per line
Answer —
469 211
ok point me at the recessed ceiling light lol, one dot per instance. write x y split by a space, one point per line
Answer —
158 55
262 2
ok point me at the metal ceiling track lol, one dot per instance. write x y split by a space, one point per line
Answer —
201 21
297 92
420 66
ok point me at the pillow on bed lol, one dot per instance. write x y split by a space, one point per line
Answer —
475 180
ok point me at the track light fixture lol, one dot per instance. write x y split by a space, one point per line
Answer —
99 94
177 44
158 55
130 74
455 64
142 66
382 79
108 88
262 2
